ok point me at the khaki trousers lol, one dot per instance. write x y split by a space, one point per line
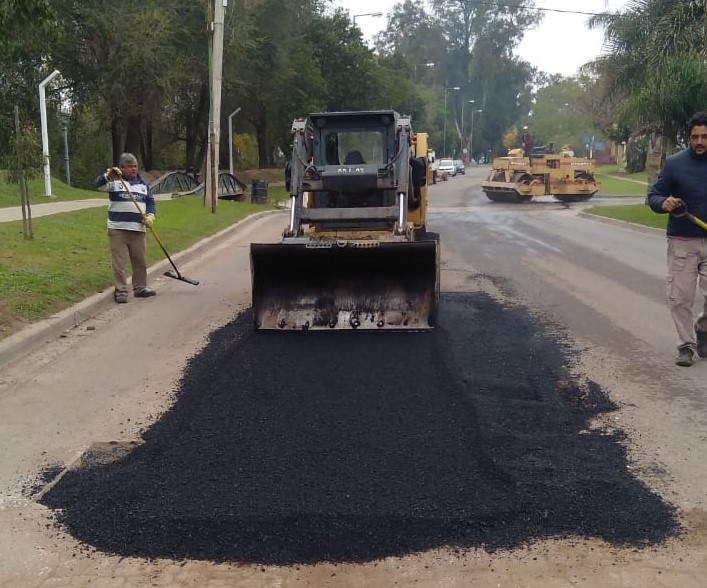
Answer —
126 245
687 272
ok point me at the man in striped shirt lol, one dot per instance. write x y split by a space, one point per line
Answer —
126 225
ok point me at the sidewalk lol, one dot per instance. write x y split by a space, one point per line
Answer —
14 213
623 179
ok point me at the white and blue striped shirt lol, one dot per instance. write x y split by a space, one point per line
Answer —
122 212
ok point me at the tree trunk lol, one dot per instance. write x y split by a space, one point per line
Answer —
261 136
203 147
658 147
116 139
195 123
133 135
146 147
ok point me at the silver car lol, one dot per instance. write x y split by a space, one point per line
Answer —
447 165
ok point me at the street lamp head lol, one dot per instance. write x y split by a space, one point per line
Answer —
374 14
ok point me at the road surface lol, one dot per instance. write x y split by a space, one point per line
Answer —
541 436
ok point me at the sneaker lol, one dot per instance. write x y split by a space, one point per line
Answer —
120 297
684 358
145 293
701 343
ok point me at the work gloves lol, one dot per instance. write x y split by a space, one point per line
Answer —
113 173
149 219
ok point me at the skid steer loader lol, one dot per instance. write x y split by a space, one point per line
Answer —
356 253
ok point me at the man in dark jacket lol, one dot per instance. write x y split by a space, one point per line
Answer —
682 186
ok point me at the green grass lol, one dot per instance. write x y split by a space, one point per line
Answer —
10 193
269 175
617 187
68 259
635 213
616 182
618 170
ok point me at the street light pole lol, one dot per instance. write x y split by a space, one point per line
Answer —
414 69
375 14
461 138
471 134
65 114
45 136
230 139
444 140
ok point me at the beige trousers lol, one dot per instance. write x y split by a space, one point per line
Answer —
126 245
687 272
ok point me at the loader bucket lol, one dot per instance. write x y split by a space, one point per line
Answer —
389 286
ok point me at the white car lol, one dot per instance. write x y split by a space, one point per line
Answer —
447 165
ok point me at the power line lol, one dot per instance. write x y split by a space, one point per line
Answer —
542 9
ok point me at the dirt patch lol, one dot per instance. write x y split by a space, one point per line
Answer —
10 323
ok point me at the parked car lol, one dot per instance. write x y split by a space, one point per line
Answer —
447 165
459 166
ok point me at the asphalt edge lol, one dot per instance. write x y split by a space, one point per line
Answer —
622 223
19 344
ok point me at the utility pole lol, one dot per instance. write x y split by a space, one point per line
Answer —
444 141
463 134
471 134
215 28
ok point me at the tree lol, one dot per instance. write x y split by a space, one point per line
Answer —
26 27
21 20
562 113
415 34
130 68
267 70
654 72
471 44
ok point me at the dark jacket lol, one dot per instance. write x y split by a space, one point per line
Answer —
684 176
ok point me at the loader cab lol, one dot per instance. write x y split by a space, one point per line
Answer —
337 135
350 152
354 147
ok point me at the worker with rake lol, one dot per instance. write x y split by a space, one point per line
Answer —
681 191
131 207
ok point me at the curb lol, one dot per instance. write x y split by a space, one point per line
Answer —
19 344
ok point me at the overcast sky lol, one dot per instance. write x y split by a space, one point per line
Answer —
561 45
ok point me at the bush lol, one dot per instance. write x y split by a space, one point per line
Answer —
30 151
636 155
245 152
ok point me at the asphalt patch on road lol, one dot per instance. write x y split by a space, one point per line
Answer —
299 448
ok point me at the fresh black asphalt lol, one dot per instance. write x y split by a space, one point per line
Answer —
299 448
